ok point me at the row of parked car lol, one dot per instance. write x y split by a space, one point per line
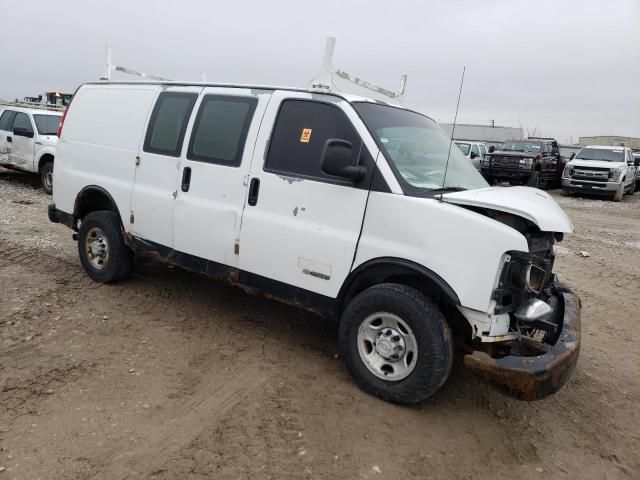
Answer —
613 171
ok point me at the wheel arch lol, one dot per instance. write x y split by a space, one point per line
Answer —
396 270
44 158
92 198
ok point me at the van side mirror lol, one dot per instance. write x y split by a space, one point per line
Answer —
23 132
636 162
572 156
337 160
492 149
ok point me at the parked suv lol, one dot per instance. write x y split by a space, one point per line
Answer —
28 138
532 162
611 171
333 203
474 151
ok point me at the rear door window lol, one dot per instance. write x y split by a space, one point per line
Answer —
168 123
299 136
6 120
220 129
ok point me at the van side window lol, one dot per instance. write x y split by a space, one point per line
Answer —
474 149
220 129
22 121
299 135
168 123
6 120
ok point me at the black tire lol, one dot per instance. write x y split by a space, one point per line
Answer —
431 332
534 180
118 263
46 177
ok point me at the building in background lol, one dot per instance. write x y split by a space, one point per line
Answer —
491 135
609 140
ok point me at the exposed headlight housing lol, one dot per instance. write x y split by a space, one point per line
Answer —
568 172
532 278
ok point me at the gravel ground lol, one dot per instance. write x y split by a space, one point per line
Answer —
171 376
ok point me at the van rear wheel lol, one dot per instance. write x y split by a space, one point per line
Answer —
396 343
103 253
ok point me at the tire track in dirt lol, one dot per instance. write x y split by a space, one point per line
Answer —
163 438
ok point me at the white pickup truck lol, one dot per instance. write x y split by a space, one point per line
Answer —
28 139
600 170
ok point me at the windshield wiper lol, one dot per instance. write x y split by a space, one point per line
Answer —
447 189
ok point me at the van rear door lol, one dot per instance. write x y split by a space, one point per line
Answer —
154 189
212 182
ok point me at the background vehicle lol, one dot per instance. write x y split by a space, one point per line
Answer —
28 139
532 162
474 151
218 178
602 170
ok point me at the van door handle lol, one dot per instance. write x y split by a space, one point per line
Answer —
9 139
254 189
186 179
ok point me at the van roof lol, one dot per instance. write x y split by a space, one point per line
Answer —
346 96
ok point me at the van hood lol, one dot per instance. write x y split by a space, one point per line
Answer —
526 202
576 162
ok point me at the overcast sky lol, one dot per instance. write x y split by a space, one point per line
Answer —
565 68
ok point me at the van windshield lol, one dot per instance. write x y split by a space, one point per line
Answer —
417 150
604 154
47 124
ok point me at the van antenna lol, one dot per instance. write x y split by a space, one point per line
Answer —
453 129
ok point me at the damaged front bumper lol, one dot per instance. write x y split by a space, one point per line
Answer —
535 375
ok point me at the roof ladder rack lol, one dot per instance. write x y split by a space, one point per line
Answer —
324 81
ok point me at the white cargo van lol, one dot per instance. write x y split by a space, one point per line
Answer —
333 203
28 138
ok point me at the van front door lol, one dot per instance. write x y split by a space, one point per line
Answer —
158 165
300 225
212 184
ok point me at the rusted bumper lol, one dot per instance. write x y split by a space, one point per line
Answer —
535 377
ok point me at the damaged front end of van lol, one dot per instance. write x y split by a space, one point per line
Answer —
527 346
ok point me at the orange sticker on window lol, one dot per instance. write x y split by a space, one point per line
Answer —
306 135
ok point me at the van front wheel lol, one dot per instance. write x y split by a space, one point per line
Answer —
396 343
102 251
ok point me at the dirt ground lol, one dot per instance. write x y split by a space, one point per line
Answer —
171 376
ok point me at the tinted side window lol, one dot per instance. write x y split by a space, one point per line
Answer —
168 123
220 129
299 135
22 121
475 150
6 120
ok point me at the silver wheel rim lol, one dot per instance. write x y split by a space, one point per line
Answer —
387 346
97 248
